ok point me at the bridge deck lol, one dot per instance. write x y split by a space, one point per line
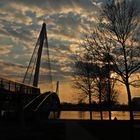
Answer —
16 98
10 86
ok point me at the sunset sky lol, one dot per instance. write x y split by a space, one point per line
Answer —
66 20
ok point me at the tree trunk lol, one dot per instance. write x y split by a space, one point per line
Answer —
130 110
101 113
109 109
129 101
109 88
90 107
100 103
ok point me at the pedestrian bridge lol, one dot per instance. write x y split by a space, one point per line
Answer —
24 99
18 98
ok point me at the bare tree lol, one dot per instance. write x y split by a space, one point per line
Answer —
83 79
106 98
99 86
99 47
113 96
95 66
120 20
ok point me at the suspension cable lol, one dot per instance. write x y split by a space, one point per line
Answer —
25 76
49 62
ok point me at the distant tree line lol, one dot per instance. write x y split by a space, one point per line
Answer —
95 107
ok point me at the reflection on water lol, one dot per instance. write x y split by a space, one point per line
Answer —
120 115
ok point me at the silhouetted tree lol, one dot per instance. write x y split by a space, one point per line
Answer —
105 97
98 47
83 79
120 20
113 96
115 45
93 78
99 86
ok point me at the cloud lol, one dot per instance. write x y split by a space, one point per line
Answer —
5 50
20 24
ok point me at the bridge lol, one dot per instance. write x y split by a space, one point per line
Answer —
24 99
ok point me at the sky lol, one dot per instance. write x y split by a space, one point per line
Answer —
66 22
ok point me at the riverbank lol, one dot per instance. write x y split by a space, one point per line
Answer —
95 107
70 130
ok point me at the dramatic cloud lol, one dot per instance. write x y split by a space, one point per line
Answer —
20 24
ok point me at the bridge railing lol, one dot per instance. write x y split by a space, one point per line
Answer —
17 87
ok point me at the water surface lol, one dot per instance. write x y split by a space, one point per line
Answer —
84 115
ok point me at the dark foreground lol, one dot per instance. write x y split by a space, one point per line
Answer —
70 130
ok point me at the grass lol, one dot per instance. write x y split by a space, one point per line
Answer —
63 129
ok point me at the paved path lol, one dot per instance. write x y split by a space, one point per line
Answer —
73 131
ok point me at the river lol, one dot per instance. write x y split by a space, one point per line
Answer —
84 115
